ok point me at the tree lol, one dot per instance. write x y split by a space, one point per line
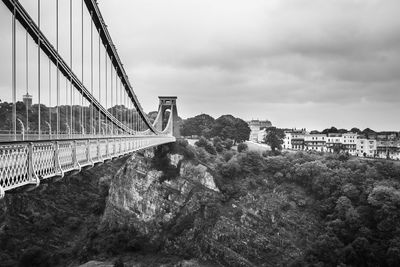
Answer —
242 147
355 130
242 132
208 146
198 125
274 138
224 127
330 130
228 143
230 127
368 132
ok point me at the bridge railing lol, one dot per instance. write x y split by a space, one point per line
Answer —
26 163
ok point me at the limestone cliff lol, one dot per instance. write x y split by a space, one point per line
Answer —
188 216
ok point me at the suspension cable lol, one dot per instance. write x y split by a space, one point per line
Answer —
70 62
26 81
39 85
112 93
105 54
58 78
99 130
14 80
82 62
91 72
49 109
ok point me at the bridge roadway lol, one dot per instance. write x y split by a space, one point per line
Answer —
24 163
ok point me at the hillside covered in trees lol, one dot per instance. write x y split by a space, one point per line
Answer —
357 202
225 127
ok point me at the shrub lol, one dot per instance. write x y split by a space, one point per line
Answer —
242 147
228 143
219 148
202 142
216 140
210 149
202 155
251 162
206 145
228 155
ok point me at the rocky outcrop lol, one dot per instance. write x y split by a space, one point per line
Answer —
138 198
189 216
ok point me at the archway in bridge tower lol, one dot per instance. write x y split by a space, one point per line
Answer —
165 117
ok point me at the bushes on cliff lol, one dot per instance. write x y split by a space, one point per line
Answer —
162 162
208 146
239 173
358 201
182 147
242 147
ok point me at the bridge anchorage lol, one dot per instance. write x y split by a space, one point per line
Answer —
74 113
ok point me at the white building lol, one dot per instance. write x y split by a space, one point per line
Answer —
333 141
366 147
388 149
350 142
261 135
315 142
290 135
257 130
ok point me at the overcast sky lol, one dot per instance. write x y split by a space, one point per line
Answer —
298 63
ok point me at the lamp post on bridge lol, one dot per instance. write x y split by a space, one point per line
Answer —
82 129
105 124
68 129
22 128
49 125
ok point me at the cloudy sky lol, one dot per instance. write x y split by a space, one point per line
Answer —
298 63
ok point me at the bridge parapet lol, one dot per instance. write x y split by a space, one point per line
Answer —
27 163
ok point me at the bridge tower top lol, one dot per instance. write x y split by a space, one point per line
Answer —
167 100
168 103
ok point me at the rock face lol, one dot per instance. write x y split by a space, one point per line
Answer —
188 216
138 198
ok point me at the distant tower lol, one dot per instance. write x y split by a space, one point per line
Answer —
27 100
168 103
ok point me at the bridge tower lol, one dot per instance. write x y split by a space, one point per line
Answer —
168 103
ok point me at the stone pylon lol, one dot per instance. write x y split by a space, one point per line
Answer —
167 103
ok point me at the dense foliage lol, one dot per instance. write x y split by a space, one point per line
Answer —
357 200
225 127
242 147
199 125
274 138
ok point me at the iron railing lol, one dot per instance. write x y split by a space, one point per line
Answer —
23 163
